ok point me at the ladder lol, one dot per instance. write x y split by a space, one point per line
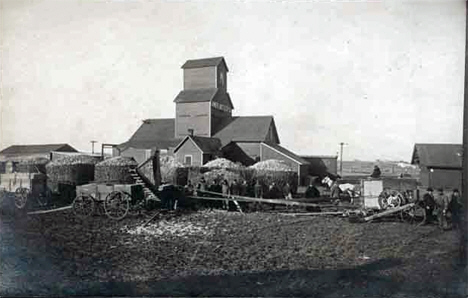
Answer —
149 194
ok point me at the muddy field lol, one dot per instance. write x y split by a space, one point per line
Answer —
218 253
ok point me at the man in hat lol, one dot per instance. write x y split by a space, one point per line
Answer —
442 202
376 172
429 204
455 208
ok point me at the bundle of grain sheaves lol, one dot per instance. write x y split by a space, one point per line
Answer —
222 163
74 169
223 169
115 170
274 171
170 169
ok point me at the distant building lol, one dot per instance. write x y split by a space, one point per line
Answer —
321 165
20 152
204 127
440 165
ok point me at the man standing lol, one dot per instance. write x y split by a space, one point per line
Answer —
442 202
429 204
258 189
455 208
225 191
287 191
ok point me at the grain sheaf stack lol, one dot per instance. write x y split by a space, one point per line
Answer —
173 171
276 171
115 170
73 169
223 169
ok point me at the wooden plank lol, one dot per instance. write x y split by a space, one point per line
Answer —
388 212
313 213
50 211
248 199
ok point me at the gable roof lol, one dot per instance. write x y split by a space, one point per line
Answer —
205 144
196 95
204 95
286 153
159 133
153 133
36 149
438 155
206 62
246 129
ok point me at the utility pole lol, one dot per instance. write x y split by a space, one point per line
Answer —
341 157
464 240
92 146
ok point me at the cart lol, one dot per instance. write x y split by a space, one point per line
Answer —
113 200
25 189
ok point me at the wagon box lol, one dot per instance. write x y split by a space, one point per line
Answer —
99 190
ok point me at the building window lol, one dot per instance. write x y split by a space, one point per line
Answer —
187 160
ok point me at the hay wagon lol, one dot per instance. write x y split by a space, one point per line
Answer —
120 186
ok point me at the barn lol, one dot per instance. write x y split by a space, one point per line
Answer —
20 152
440 165
204 127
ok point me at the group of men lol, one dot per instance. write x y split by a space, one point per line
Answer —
441 207
240 188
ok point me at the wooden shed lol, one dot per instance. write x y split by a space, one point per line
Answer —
440 165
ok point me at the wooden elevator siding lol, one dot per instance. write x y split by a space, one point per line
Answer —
217 117
221 72
192 115
200 78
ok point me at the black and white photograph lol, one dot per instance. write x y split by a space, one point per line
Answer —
163 148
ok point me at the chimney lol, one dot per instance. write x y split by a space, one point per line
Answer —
190 132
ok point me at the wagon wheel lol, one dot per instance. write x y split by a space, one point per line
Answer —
84 206
395 199
21 197
414 215
117 204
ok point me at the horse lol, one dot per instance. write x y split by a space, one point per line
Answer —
345 190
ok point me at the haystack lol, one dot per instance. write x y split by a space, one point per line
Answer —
221 174
73 169
274 171
170 169
115 170
222 163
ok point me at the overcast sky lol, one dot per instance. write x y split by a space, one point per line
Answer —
379 76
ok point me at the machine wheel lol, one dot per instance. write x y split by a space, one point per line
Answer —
414 215
383 203
117 204
84 206
395 199
21 197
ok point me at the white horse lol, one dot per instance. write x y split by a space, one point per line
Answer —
347 188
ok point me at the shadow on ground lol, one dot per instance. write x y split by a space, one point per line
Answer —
362 281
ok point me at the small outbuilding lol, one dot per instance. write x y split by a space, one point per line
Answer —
196 150
440 165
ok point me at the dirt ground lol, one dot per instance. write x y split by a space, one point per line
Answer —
218 253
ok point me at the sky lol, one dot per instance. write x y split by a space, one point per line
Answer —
378 76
